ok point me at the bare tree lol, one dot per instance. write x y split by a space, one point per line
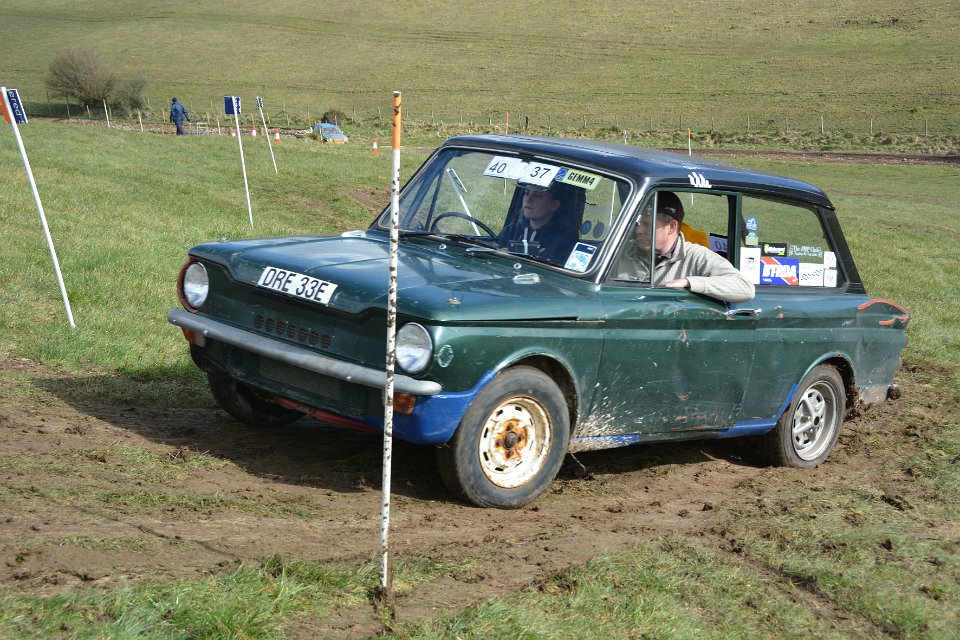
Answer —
80 73
128 94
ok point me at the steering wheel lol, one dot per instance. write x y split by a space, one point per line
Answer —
464 216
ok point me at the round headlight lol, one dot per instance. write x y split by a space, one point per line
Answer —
196 285
414 347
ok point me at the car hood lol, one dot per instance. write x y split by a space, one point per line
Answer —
436 281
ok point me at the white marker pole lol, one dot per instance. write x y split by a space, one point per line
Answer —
266 134
243 165
8 108
386 573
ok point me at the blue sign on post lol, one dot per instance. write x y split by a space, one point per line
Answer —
231 105
19 115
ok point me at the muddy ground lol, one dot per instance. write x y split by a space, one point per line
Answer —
316 492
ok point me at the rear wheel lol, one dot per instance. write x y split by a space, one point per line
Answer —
246 404
510 443
808 429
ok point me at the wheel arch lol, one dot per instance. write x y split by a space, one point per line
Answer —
560 374
844 367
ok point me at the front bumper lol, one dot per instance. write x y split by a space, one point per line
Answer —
298 356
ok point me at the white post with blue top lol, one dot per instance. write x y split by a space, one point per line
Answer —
266 134
14 114
231 106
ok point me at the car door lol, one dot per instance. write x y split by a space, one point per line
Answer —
673 363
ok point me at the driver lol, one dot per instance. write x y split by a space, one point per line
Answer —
545 229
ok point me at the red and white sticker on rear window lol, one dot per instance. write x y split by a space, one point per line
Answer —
295 284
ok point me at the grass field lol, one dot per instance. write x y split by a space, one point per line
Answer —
705 65
123 207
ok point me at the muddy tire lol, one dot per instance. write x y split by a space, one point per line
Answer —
510 443
808 429
246 405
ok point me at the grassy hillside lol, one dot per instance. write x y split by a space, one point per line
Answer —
659 65
123 208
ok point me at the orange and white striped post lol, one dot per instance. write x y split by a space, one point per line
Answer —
276 137
386 574
375 148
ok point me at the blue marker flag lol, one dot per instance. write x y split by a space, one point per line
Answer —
19 115
231 105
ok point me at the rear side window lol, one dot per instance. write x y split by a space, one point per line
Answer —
784 244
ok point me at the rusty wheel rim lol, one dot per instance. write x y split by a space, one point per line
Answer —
514 442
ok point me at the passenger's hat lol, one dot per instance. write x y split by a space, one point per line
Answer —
669 204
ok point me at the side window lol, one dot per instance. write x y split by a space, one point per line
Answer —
784 244
705 222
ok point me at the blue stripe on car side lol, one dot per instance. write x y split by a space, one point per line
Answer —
758 426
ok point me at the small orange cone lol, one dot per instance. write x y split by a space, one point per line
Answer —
276 137
253 132
374 147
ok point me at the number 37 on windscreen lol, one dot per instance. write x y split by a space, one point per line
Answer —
516 169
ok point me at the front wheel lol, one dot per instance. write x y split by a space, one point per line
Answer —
510 443
246 405
808 429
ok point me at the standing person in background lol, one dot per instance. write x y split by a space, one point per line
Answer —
177 115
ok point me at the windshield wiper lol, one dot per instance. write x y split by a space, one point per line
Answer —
467 239
454 237
407 233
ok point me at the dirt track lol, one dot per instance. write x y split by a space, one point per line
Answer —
312 491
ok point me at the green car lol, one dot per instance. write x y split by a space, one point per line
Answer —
529 324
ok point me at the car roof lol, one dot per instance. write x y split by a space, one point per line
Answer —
660 167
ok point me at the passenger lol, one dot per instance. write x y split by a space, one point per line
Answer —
681 264
548 228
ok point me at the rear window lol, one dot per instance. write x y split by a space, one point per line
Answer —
784 244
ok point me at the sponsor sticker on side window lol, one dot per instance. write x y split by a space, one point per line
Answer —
780 271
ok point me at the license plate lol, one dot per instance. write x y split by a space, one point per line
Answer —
295 284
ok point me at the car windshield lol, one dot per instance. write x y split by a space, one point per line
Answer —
544 210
